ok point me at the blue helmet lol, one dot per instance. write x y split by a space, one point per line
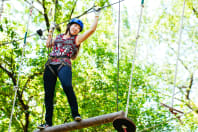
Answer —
77 21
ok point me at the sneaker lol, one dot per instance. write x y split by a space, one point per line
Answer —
77 118
42 126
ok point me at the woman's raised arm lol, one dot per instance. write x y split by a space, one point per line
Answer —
89 32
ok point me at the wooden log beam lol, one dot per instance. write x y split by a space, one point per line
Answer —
171 108
94 121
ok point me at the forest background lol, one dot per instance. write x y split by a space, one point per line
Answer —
95 71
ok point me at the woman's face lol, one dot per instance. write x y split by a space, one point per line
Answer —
74 29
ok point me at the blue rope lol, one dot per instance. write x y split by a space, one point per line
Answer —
25 37
142 2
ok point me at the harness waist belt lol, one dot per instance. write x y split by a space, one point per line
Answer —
57 57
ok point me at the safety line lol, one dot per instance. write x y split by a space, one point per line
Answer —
118 63
133 62
178 54
21 63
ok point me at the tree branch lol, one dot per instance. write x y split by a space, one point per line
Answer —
73 9
25 107
39 2
45 15
31 77
10 74
34 7
195 11
181 61
189 87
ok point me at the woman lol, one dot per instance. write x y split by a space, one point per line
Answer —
65 47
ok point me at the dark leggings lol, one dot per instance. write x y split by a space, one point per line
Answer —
65 76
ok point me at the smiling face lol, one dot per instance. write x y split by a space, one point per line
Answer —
74 29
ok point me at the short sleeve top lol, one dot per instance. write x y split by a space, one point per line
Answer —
63 49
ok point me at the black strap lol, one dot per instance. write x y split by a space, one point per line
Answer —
51 69
63 64
56 57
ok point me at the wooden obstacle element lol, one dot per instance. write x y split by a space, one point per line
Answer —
123 124
94 121
172 109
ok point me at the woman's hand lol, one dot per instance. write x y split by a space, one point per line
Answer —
49 42
89 32
97 11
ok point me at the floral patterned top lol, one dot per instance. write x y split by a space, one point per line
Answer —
63 50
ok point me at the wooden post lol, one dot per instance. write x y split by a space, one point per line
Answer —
171 108
94 121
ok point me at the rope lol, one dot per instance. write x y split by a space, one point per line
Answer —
21 63
178 54
34 7
84 13
118 63
133 63
49 48
1 9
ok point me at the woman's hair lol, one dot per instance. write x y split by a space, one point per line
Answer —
66 31
76 54
67 28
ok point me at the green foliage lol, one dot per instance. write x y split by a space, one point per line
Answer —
95 72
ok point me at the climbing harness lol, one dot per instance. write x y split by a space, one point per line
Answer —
62 52
60 65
